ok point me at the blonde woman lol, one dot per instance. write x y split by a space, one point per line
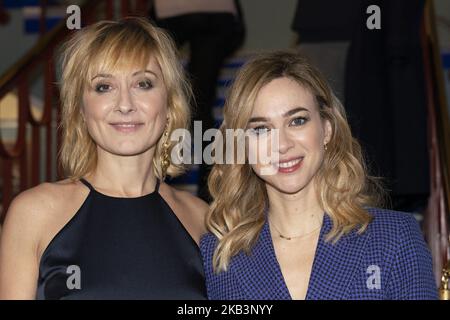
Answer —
113 229
312 228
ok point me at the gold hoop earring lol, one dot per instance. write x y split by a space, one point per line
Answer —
165 160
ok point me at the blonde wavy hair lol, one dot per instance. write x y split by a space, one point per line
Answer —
116 45
344 188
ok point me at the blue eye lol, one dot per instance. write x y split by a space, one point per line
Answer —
299 121
145 84
101 87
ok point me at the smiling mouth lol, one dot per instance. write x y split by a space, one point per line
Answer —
127 126
289 166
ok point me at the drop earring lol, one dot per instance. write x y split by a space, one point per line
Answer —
165 160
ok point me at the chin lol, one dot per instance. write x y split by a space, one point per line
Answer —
289 189
289 185
128 151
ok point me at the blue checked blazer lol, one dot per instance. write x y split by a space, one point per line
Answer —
392 247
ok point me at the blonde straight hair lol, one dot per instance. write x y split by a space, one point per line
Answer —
344 188
116 45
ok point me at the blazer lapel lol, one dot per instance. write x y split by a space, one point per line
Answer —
335 265
258 273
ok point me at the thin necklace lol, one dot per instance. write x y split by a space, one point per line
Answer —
290 238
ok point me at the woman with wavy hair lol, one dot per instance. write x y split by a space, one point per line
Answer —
113 229
307 224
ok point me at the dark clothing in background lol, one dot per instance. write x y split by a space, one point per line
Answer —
385 94
212 37
384 83
325 20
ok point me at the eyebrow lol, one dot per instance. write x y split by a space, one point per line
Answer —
285 115
107 75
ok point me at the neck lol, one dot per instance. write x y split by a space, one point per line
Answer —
129 176
295 214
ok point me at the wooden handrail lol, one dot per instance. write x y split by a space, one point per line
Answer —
438 215
443 117
50 39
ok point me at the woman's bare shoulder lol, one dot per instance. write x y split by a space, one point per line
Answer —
38 213
32 219
189 200
187 205
34 207
44 196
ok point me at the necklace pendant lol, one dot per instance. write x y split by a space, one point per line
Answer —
285 238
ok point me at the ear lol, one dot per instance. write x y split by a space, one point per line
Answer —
328 130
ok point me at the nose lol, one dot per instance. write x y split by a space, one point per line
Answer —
285 142
125 102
